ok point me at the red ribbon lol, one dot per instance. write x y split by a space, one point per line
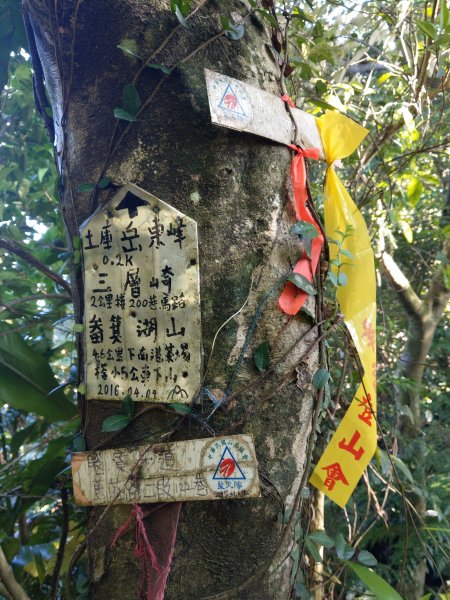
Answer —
153 573
292 298
288 99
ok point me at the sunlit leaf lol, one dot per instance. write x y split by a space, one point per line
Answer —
427 28
376 584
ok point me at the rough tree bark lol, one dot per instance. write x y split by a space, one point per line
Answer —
235 186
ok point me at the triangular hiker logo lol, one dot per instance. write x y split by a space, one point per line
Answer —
228 467
230 102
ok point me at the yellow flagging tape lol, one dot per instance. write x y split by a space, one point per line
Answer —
353 444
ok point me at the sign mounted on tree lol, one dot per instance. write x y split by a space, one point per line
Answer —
142 314
237 105
208 469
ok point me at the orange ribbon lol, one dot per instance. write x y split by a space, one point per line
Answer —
292 298
288 99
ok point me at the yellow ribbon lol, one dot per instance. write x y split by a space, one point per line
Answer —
353 444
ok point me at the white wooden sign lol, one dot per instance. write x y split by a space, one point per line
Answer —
207 469
241 106
142 313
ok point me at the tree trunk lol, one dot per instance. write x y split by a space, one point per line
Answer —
236 187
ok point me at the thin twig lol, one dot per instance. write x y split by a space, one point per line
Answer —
18 250
7 576
62 543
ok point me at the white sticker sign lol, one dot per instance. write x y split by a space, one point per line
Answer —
238 105
142 314
207 469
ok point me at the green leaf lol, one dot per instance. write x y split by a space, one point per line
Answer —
321 87
414 191
41 473
78 328
10 546
343 550
407 230
19 438
347 253
308 313
26 379
162 68
443 14
182 409
302 283
266 15
130 48
321 104
301 592
366 558
333 278
86 187
120 113
104 183
342 279
384 78
131 99
115 423
402 467
320 378
321 538
42 173
304 229
180 16
427 28
262 356
40 564
312 549
376 584
128 407
225 22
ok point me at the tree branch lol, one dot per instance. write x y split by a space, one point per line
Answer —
15 590
4 592
22 253
399 282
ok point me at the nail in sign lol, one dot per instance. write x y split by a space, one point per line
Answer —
142 314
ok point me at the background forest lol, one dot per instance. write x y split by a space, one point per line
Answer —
384 64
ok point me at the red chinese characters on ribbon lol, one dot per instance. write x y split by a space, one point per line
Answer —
334 474
351 445
367 413
369 334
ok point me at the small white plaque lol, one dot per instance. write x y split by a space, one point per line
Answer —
237 105
207 469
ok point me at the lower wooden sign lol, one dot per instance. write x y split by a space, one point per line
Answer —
208 469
